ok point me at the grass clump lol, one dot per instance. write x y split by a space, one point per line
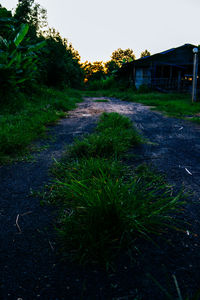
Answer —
103 204
103 213
112 121
101 100
113 136
81 170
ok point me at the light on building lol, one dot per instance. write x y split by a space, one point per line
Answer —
195 72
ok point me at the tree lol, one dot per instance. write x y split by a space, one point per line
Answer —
111 67
120 56
32 13
94 71
145 53
23 11
60 62
7 23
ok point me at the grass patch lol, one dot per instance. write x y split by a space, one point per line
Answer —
113 136
177 105
100 100
103 204
20 125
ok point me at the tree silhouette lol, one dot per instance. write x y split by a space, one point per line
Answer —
145 53
32 13
93 71
121 56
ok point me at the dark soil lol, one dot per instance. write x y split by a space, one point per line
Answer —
29 265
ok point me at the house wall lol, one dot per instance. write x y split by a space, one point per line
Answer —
142 76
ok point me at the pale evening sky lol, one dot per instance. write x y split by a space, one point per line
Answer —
97 28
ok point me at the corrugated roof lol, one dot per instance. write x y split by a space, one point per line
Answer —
178 56
167 51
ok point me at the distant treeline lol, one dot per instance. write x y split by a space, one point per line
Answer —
105 73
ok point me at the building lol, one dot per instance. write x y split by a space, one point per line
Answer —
170 70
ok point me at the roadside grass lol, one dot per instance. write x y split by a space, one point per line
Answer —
177 105
103 204
114 135
21 124
101 100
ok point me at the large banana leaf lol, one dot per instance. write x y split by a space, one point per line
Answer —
21 34
3 56
11 62
6 20
36 47
3 41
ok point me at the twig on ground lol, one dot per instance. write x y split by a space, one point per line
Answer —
188 171
16 222
52 248
17 219
26 213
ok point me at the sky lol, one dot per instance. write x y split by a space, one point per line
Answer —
97 28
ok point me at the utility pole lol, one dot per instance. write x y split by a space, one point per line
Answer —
195 72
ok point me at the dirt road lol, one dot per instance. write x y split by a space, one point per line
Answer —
29 266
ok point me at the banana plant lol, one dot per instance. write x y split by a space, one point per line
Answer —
17 63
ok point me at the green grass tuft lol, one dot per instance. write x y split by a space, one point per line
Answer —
104 205
100 100
103 213
113 136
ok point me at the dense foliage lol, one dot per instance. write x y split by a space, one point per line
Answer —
18 59
121 56
93 71
60 62
29 56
